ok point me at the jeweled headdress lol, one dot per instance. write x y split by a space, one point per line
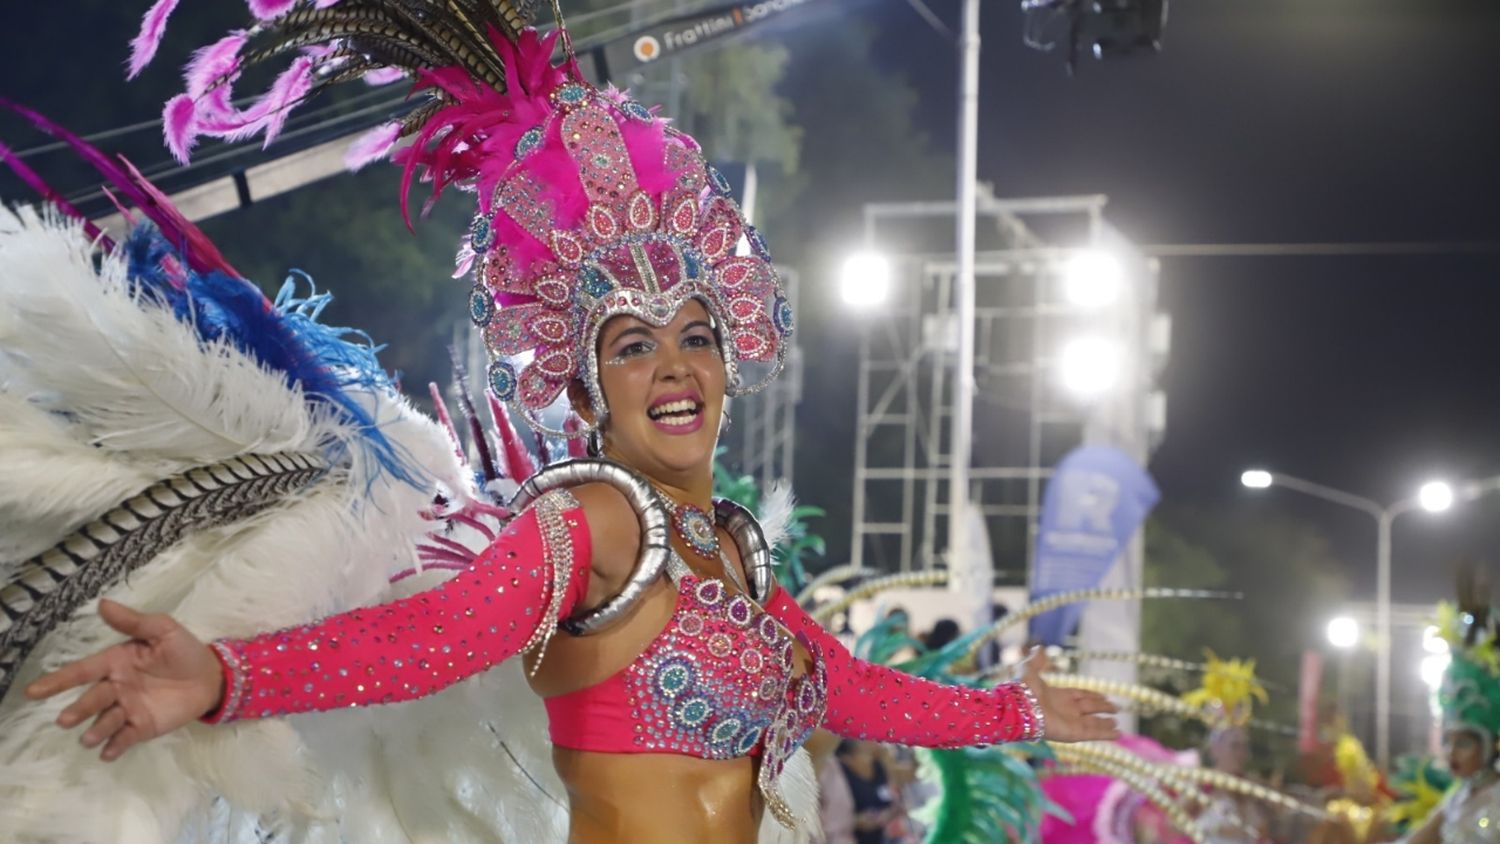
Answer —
590 206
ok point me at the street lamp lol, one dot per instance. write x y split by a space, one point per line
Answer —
1343 632
1256 478
1434 496
865 279
1089 366
1093 278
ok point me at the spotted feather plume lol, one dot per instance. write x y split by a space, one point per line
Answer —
326 43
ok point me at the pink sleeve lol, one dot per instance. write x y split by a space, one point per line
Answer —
507 602
875 703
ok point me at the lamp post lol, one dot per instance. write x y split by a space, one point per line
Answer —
1434 496
1343 635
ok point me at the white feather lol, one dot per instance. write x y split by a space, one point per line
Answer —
799 786
76 339
54 480
776 509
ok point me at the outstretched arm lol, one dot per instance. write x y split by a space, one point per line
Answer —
507 602
878 703
163 677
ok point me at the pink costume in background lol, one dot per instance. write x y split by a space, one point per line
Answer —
1105 810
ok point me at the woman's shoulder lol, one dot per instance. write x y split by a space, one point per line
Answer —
614 527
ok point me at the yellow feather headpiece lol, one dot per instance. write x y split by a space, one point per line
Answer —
1229 686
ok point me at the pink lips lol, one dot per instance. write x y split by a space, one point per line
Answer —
687 428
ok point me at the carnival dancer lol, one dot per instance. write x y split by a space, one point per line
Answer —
607 277
1470 701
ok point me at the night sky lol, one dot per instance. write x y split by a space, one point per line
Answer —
1261 122
1286 121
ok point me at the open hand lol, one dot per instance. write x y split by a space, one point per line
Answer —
161 679
1072 714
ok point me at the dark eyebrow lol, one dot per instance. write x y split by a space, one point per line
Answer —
634 329
697 323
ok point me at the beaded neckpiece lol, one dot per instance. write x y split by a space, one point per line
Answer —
696 528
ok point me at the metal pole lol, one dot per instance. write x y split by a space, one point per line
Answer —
963 283
1346 704
1383 642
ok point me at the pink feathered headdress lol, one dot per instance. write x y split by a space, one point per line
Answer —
590 206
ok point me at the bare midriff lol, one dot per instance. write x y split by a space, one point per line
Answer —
661 798
654 798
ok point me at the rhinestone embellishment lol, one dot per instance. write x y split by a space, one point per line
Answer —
634 110
571 95
781 316
481 234
530 141
503 380
720 184
481 305
696 529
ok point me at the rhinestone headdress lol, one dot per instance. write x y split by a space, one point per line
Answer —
590 206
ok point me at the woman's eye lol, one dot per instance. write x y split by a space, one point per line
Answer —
636 349
697 341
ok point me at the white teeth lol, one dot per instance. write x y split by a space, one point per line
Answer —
688 407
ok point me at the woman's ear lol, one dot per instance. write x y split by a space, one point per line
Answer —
578 397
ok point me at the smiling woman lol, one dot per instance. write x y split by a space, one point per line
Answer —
662 385
607 269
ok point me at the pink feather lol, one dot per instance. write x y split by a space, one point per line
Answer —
50 194
383 75
647 145
518 461
288 90
202 255
440 407
179 126
213 63
268 9
153 27
373 145
267 114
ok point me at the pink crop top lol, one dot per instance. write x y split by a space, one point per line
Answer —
718 682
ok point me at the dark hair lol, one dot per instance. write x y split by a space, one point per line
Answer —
943 632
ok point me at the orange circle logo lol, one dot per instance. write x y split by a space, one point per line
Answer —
647 48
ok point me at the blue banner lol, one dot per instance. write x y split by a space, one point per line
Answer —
1096 500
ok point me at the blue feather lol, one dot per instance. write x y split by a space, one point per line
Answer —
283 336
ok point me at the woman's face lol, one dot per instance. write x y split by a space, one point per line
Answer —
1467 754
1230 749
664 388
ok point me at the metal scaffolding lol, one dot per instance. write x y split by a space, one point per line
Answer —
1023 422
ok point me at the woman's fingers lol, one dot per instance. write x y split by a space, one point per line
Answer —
105 726
1093 703
1037 662
90 703
90 669
136 625
122 741
1103 729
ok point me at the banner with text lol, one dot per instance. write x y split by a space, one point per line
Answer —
680 34
1096 500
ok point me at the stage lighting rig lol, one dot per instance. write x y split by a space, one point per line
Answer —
1106 29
